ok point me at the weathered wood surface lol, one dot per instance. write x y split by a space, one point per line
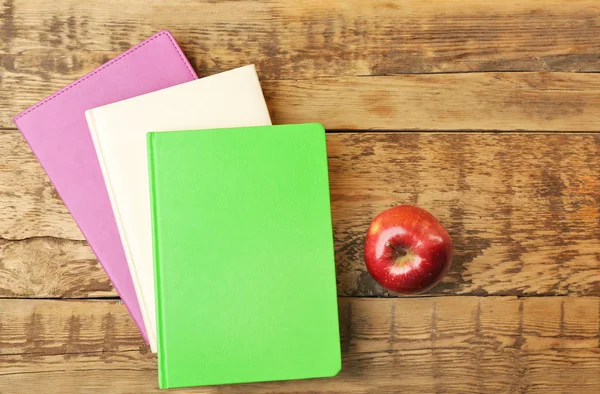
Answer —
312 38
523 211
48 267
30 328
418 345
474 101
316 58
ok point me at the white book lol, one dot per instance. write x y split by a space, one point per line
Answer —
230 99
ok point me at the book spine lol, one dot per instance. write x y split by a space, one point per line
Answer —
162 376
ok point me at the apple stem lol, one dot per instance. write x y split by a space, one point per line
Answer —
397 251
400 254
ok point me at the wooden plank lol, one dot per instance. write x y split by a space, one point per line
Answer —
523 211
473 101
309 39
46 267
31 328
418 345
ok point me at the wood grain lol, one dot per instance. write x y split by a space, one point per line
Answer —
474 101
291 40
42 251
419 345
316 58
33 328
29 204
523 211
46 267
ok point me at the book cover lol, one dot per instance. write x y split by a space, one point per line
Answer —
57 133
244 258
229 99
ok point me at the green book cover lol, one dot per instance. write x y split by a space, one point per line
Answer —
243 255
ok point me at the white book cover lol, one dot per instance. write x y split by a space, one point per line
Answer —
229 99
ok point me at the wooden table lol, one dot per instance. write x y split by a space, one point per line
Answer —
482 113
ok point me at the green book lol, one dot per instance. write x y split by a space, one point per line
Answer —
243 255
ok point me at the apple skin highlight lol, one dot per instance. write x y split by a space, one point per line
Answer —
407 250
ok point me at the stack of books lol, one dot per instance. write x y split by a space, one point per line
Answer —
213 225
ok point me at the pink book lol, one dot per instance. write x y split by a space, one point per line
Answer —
57 132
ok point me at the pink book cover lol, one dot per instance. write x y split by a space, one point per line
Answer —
57 133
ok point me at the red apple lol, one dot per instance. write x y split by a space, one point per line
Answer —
407 250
